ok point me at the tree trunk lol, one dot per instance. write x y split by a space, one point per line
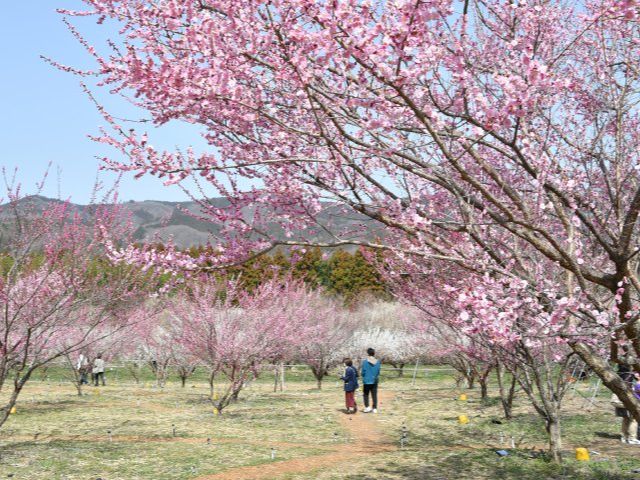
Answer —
319 373
483 388
4 370
276 379
234 396
211 378
6 410
506 396
471 382
134 371
555 439
76 375
18 385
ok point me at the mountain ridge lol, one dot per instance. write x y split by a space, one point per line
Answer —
161 220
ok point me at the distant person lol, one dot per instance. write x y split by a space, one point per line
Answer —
83 369
98 370
629 425
370 371
350 379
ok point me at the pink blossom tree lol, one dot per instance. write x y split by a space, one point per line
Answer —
57 290
327 329
237 334
108 340
472 131
159 342
540 361
519 327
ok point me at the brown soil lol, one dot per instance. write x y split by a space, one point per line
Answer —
365 438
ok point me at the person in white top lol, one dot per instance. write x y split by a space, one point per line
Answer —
83 367
98 370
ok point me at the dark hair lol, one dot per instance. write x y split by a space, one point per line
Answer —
371 352
625 373
627 377
348 362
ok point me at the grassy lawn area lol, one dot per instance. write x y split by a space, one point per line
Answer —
128 431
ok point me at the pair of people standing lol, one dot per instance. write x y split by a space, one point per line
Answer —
97 370
370 369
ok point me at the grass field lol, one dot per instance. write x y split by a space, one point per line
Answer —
128 431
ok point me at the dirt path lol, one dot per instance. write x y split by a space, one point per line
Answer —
365 438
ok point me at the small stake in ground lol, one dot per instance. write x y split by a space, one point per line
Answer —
110 436
208 440
403 437
501 438
513 442
335 436
273 453
173 426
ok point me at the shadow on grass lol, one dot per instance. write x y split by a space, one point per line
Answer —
486 465
57 406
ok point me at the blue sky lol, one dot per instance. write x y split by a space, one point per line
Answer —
45 115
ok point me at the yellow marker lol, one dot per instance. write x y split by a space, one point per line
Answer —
463 419
215 396
13 410
463 397
215 411
582 455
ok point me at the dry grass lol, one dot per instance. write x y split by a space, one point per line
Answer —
127 432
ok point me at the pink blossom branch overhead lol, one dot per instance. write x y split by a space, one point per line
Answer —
498 135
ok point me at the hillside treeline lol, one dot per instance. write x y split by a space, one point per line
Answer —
345 274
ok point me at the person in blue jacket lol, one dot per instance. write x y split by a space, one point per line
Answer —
370 370
350 379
